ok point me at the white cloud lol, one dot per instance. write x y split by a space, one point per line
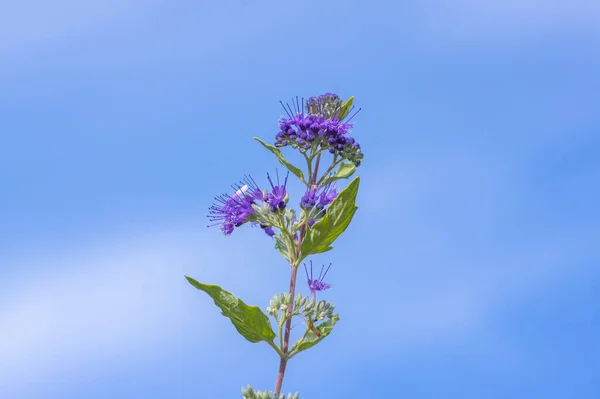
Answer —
454 261
83 307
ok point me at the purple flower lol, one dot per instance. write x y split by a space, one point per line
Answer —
327 196
233 211
268 230
317 284
319 128
275 198
309 199
319 197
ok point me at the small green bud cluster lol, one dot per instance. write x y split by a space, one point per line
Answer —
314 310
310 309
250 393
279 304
263 214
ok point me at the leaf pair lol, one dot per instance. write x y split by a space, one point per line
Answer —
253 324
345 170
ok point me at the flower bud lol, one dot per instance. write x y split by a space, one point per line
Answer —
290 215
320 306
298 301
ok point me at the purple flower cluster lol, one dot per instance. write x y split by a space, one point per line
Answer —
319 198
275 198
231 211
317 284
319 128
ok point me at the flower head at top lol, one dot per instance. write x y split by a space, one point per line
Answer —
232 211
276 198
319 128
326 105
317 284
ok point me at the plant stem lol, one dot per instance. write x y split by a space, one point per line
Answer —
288 323
333 165
286 340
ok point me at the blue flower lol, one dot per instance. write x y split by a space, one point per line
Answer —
319 128
317 284
327 196
268 230
309 199
318 197
232 211
275 198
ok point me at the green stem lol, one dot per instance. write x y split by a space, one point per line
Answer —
288 324
333 165
294 353
276 348
281 335
309 164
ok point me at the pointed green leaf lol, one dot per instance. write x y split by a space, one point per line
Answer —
250 321
277 152
311 338
345 170
345 108
339 215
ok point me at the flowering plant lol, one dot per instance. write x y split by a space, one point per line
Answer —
316 128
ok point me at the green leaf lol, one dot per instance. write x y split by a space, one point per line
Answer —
283 246
345 170
277 152
345 108
311 338
250 321
339 215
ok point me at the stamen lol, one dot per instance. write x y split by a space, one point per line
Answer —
290 108
285 109
353 115
326 270
241 191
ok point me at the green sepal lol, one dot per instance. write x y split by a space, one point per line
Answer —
249 321
277 152
311 338
339 214
345 108
344 171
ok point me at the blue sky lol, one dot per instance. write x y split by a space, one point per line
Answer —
470 270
